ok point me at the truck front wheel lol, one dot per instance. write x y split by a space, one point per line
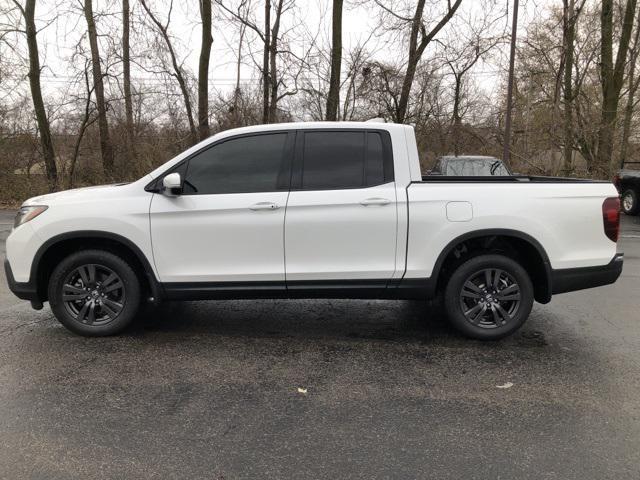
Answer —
630 204
94 293
488 297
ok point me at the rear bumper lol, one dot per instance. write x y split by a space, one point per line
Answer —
23 290
571 279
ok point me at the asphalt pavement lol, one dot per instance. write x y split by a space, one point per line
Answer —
332 389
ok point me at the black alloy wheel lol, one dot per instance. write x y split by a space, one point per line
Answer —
94 293
488 296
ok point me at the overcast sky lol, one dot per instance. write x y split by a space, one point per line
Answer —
59 37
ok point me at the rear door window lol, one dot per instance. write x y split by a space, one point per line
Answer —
333 160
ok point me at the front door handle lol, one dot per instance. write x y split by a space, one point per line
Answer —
264 206
375 201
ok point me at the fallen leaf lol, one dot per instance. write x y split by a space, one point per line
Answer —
506 385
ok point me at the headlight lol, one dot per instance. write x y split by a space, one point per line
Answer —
28 213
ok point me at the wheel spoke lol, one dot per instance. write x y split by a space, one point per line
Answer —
488 281
502 312
510 293
511 288
476 312
84 275
480 314
72 289
509 298
115 306
83 311
472 286
113 287
471 292
92 313
109 311
92 273
109 279
496 279
74 297
472 310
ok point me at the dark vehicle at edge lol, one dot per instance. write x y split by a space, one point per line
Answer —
627 181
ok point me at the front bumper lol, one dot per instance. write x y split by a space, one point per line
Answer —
24 290
571 279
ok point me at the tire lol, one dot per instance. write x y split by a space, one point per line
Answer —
94 293
495 316
629 202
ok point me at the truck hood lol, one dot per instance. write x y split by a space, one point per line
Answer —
76 194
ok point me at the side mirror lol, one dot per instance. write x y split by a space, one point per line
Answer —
172 184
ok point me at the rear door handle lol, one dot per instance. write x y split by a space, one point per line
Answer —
264 206
375 201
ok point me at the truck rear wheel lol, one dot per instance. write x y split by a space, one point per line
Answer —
488 297
94 293
629 202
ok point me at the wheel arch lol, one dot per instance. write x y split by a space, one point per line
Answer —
535 258
60 246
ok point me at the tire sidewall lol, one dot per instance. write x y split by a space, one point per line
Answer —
115 263
462 273
634 207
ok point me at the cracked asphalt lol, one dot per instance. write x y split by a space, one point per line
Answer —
210 390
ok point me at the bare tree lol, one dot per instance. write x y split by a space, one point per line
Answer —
569 19
203 70
333 99
126 78
633 79
178 72
270 36
612 77
266 77
106 148
470 41
84 124
42 120
419 39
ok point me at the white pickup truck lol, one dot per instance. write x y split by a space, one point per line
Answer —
308 210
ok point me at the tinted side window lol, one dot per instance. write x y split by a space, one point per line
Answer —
333 160
240 165
343 159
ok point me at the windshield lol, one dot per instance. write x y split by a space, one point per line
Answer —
466 167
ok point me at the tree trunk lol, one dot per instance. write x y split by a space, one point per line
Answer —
569 36
203 70
83 127
46 141
273 55
237 90
412 63
126 68
628 117
265 62
457 120
634 83
612 78
333 99
105 142
415 52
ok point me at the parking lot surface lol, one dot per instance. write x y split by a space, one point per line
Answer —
326 389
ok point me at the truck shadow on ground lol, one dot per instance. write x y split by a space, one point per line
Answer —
395 321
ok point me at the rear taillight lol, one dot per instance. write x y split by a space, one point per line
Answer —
611 217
